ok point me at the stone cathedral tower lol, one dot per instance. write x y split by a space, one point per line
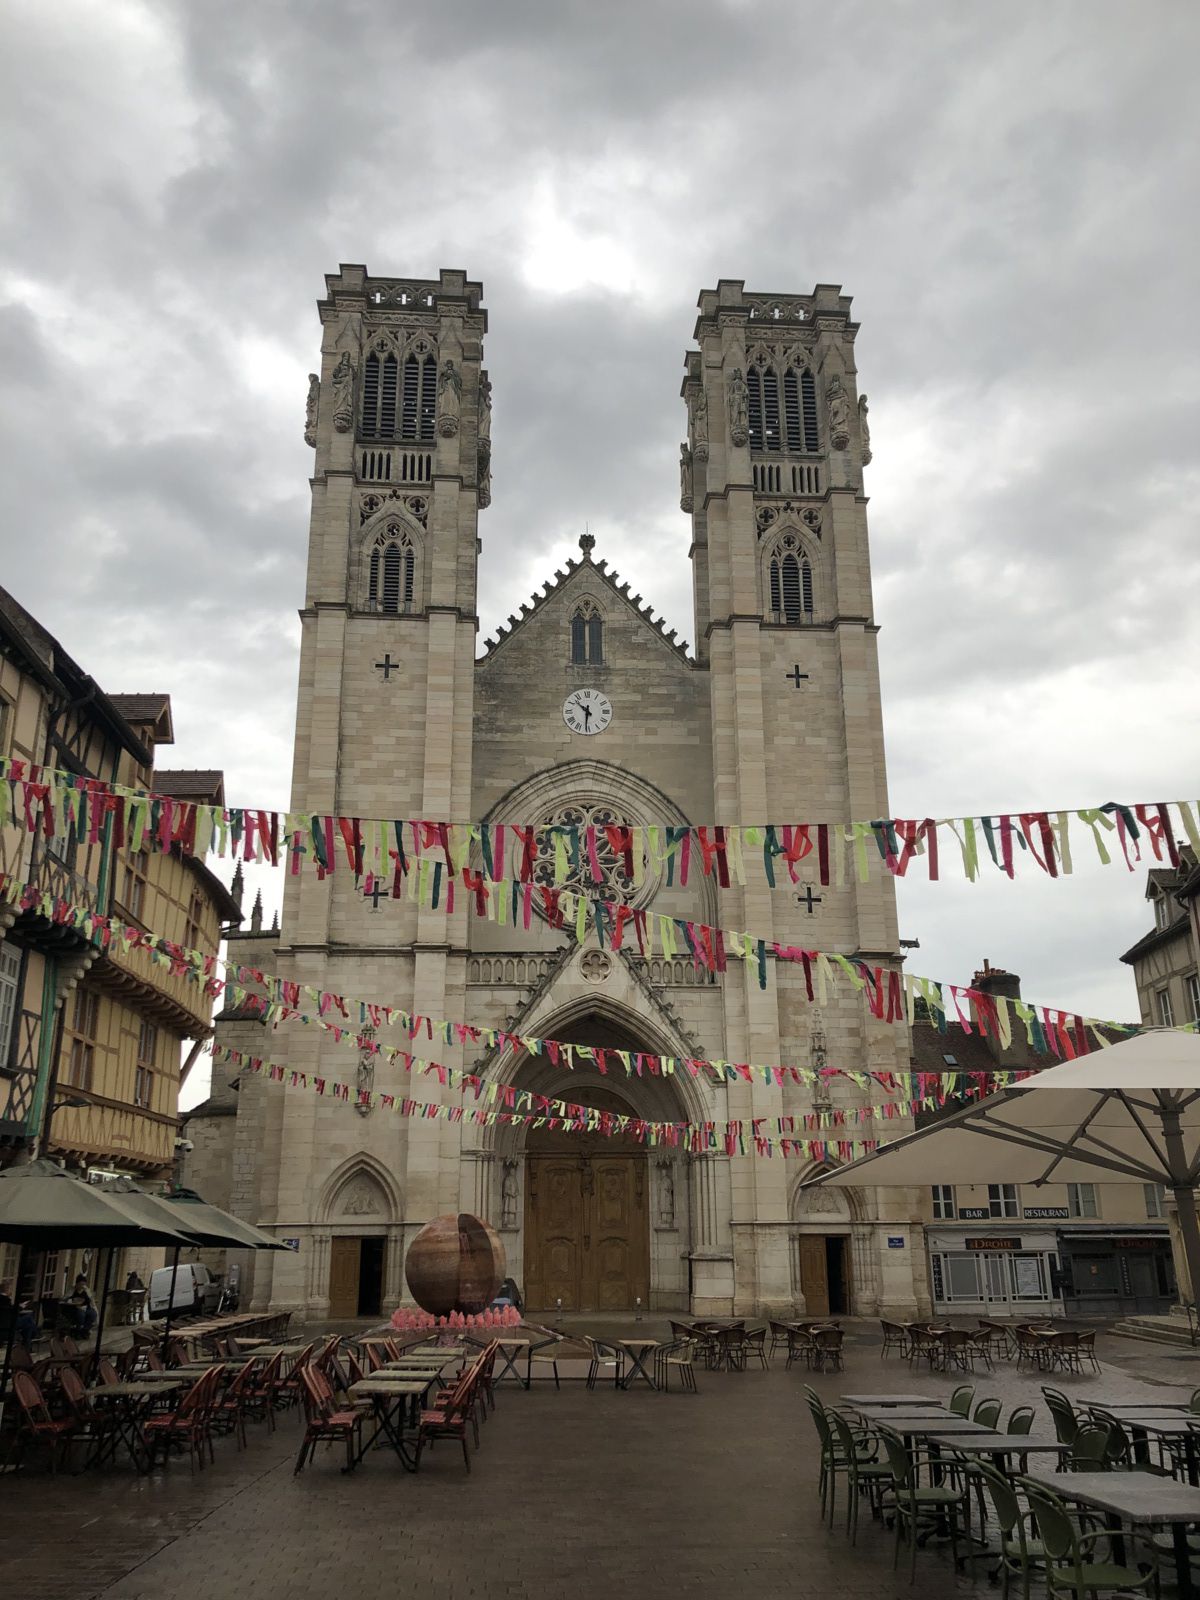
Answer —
774 716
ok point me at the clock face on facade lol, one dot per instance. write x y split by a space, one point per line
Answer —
587 711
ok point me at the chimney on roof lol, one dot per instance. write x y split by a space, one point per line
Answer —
995 980
256 914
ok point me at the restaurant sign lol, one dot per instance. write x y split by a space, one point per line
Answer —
1044 1213
973 1213
992 1244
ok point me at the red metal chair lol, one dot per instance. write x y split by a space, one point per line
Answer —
448 1420
189 1423
94 1424
229 1412
324 1423
262 1390
35 1424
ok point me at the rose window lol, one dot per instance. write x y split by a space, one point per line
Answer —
616 885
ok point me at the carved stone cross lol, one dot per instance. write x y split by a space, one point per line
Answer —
808 899
387 666
795 677
375 893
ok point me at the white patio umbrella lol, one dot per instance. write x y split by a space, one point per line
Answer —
1129 1114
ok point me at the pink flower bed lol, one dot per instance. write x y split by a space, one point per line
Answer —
407 1320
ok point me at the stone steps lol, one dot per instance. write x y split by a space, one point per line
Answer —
1161 1330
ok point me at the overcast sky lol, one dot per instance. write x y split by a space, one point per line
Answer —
1009 194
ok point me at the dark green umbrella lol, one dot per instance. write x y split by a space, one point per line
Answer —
43 1207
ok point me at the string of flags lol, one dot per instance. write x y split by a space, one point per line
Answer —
762 1136
926 1090
55 803
1048 1031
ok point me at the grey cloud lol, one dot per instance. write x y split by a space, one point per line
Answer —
1008 194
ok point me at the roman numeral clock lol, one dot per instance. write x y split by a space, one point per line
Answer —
587 711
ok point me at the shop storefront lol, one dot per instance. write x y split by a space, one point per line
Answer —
997 1271
1114 1271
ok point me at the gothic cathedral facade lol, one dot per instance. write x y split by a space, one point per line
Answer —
582 707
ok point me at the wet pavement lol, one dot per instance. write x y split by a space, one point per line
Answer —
600 1494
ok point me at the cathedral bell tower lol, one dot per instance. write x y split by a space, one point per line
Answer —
772 475
400 421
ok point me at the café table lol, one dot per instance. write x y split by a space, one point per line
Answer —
639 1352
1137 1498
923 1424
444 1351
383 1393
131 1400
1163 1425
885 1400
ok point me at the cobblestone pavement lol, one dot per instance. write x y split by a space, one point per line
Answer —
603 1494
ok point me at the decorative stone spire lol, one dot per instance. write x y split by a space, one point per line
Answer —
238 887
256 914
587 543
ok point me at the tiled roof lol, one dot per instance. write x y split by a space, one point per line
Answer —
1156 936
551 588
191 783
141 707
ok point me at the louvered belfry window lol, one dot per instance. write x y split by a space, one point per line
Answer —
419 401
754 408
393 574
380 383
791 584
800 410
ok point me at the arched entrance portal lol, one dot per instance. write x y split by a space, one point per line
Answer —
587 1217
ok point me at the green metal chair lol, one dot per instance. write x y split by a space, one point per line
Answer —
1020 1549
920 1504
960 1400
1194 1402
1066 1423
865 1470
987 1414
1090 1449
1021 1420
1081 1564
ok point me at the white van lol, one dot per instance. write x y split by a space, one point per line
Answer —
195 1289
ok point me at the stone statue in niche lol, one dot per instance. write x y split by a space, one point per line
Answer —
864 431
700 425
343 393
685 478
508 1196
364 1079
310 409
739 409
361 1201
839 413
485 412
666 1194
449 399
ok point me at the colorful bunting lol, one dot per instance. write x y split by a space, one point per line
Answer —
54 803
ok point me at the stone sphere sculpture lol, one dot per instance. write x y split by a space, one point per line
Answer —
455 1263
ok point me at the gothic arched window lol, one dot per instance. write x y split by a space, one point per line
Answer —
587 635
381 375
393 571
763 409
419 400
790 581
800 410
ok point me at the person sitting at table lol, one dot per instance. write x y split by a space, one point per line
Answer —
82 1306
21 1315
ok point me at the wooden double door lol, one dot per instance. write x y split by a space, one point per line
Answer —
825 1274
356 1276
587 1232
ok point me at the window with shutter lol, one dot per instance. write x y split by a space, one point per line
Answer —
754 408
770 403
776 589
808 403
806 587
790 574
